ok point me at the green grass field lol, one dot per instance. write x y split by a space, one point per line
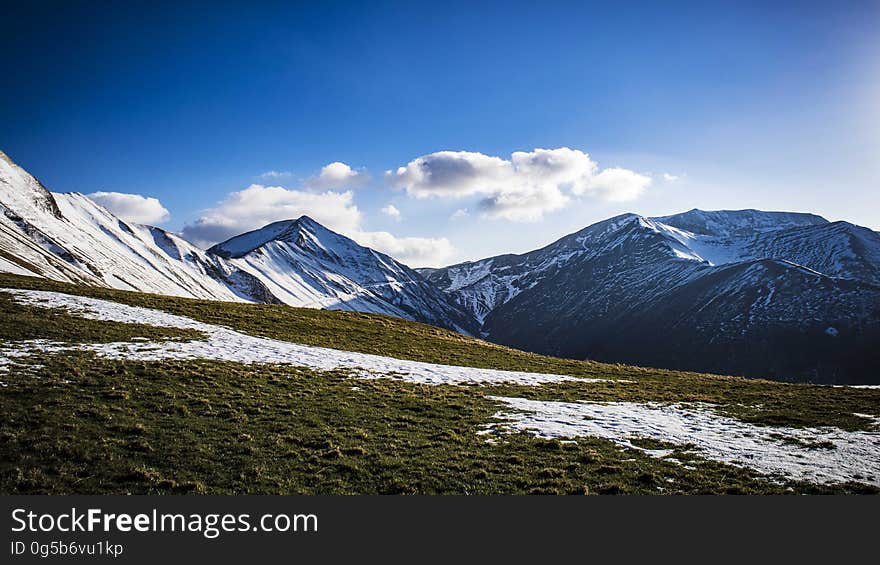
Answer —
72 422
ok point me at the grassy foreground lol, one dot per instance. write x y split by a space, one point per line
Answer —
74 423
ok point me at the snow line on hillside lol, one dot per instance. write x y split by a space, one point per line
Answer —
225 344
854 457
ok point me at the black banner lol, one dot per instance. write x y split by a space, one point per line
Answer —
148 529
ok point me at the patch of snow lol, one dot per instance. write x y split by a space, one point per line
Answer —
854 457
874 419
9 352
225 344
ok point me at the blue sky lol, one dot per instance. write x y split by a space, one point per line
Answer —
686 104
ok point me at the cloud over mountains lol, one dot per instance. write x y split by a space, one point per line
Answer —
522 188
132 207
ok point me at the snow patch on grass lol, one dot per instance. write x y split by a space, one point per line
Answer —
225 344
11 351
819 455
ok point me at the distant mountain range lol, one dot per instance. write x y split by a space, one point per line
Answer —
775 294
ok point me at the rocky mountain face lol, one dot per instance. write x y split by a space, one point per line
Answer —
773 294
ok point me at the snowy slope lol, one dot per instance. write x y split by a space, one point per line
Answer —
854 457
837 249
305 264
68 237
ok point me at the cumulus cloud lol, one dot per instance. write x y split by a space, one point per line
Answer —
523 205
132 207
337 175
614 185
561 167
451 173
258 205
392 211
522 188
670 177
276 175
413 251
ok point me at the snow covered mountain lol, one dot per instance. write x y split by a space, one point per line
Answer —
837 249
70 238
305 264
773 294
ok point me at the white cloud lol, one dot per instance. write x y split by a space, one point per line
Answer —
523 188
413 251
670 177
337 175
459 214
561 167
614 185
132 207
451 173
276 175
392 211
258 205
523 205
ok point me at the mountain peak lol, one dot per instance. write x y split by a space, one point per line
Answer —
299 232
22 192
243 244
610 225
307 221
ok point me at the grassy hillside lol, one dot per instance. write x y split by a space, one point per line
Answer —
75 423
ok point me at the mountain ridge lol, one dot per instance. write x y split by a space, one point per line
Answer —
70 238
